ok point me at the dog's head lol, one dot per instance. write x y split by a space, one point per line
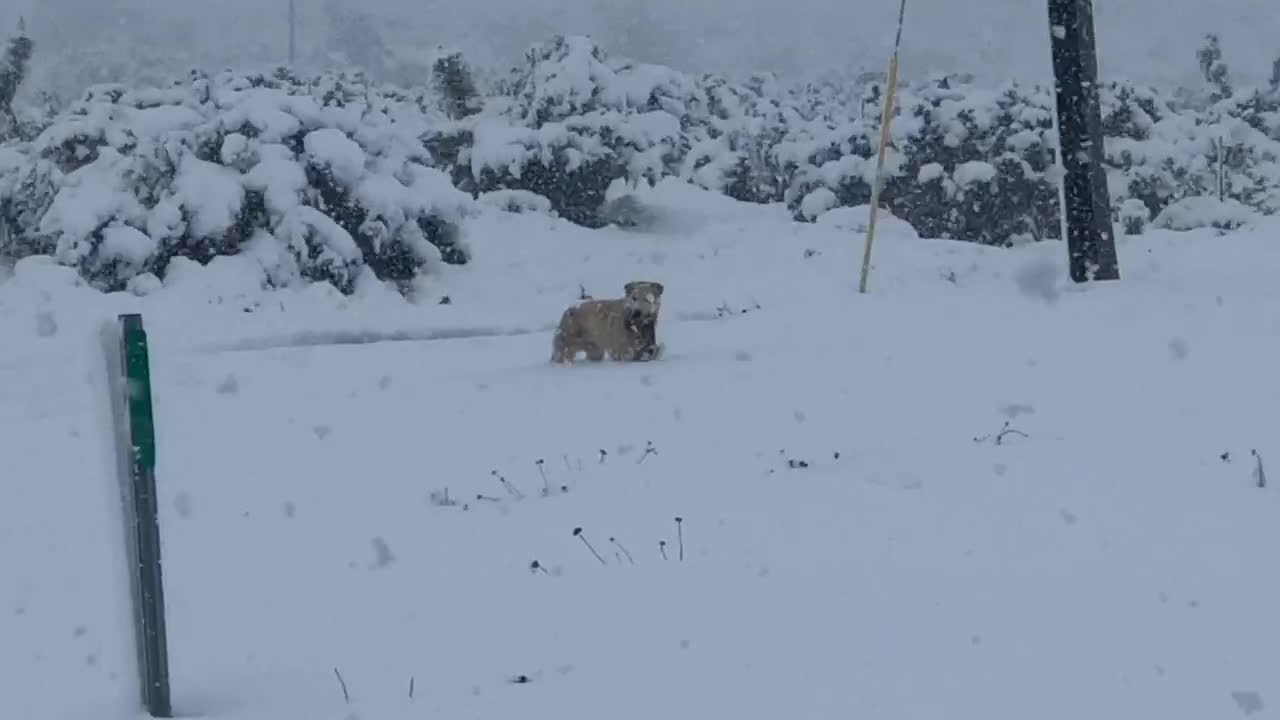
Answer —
643 296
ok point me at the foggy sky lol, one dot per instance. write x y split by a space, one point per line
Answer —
1150 41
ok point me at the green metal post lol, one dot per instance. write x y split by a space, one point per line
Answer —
147 577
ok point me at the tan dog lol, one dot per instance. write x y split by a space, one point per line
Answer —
623 329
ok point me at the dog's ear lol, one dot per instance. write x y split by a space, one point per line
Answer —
629 287
657 287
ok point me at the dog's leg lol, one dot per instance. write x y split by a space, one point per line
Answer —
643 330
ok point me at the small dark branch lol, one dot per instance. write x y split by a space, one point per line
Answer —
649 449
794 463
582 293
603 454
724 310
521 680
1005 431
1259 474
488 498
410 687
1009 431
662 548
511 489
680 535
577 532
536 566
546 485
440 498
343 683
567 466
624 550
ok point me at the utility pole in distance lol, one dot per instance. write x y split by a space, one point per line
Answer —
293 25
1091 241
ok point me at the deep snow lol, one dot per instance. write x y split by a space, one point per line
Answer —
1102 561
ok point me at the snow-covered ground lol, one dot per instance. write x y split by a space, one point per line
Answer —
856 543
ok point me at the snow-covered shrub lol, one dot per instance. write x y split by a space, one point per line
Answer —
11 160
317 180
1216 139
631 212
1199 212
455 85
964 163
335 177
27 186
734 130
817 202
570 169
972 164
976 165
1215 72
1248 126
13 70
572 122
1133 216
516 201
1160 153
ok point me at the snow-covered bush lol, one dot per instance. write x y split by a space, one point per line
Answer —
13 70
964 163
1200 212
570 123
970 164
1133 216
516 201
1159 154
454 83
734 130
317 180
336 178
26 189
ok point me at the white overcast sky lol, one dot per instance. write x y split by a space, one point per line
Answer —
1146 40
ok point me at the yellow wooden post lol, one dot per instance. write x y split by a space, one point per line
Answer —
886 118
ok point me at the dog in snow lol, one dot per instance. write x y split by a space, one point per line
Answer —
620 329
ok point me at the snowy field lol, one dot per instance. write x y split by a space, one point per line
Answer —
858 537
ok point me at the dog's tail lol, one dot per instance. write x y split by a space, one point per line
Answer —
557 347
560 338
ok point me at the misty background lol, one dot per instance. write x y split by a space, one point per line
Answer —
1149 41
